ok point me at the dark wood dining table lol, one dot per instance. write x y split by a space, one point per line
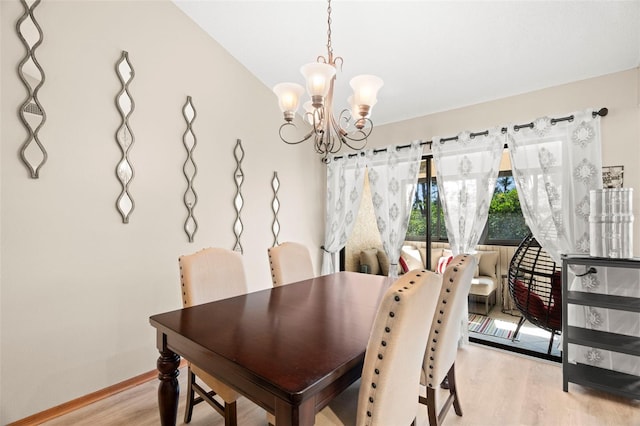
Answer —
289 349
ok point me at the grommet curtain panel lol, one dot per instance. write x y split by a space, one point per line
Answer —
554 168
393 176
466 172
345 181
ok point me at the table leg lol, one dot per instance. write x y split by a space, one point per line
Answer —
169 389
289 415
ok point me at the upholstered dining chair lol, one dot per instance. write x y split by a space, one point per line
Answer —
387 393
208 275
442 345
290 262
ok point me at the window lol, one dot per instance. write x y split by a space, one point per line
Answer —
505 224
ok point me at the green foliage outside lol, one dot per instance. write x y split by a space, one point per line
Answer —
417 229
505 220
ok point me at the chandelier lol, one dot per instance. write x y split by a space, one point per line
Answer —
351 127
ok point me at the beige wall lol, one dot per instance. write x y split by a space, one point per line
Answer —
77 285
619 92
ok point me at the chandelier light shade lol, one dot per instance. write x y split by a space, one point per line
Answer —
329 133
288 98
319 78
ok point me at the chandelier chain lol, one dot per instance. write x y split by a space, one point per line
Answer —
329 47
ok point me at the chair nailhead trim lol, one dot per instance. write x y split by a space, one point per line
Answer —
383 343
441 312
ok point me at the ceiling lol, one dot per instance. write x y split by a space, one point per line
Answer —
432 55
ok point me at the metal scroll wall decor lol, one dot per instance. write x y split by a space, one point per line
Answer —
124 136
275 206
238 176
31 73
190 169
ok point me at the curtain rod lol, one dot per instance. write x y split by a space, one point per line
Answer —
602 112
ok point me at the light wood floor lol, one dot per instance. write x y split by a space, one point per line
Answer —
496 388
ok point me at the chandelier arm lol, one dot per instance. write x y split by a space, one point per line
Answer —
304 138
365 132
359 135
362 139
318 142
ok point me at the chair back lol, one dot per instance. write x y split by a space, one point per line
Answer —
211 274
442 345
389 386
290 262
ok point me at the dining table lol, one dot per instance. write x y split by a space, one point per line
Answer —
290 349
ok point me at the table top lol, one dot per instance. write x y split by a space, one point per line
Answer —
287 339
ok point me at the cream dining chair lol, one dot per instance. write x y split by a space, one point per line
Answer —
208 275
442 345
387 393
290 262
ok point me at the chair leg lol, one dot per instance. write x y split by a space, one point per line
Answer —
453 391
188 410
436 418
515 335
431 406
230 414
229 410
553 334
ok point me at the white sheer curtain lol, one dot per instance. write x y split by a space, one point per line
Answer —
345 180
555 166
466 173
393 175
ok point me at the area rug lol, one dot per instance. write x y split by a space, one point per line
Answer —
490 327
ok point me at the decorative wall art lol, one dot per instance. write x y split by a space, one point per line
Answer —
190 169
31 73
275 206
238 202
124 136
612 176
